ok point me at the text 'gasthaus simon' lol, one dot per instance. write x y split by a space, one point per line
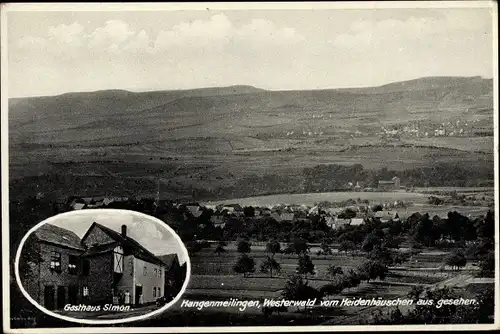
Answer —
96 308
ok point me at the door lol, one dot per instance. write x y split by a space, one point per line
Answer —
138 293
61 297
73 294
49 297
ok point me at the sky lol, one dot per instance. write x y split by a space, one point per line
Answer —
50 53
149 233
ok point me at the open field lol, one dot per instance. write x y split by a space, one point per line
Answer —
459 190
210 263
418 201
313 198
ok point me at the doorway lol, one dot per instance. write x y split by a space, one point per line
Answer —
49 297
73 294
61 297
138 293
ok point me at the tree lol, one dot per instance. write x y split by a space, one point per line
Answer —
334 271
370 242
394 317
289 249
244 265
296 289
269 265
382 255
487 265
194 247
430 314
300 246
392 242
244 246
354 278
326 248
347 214
372 270
331 289
479 313
433 200
30 256
220 247
273 247
485 228
424 230
249 211
415 292
347 246
456 260
305 265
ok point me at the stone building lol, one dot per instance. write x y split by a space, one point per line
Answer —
100 268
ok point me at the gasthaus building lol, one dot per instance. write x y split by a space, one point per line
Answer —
104 267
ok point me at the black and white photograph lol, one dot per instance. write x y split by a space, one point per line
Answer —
125 266
298 166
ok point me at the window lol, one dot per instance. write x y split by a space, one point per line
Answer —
154 292
118 259
159 292
72 265
159 273
85 291
156 272
55 261
145 271
85 268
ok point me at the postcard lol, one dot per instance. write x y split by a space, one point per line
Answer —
234 167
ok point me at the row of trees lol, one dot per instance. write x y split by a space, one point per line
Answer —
246 264
369 270
332 177
480 312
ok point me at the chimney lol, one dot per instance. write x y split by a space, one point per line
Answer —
124 231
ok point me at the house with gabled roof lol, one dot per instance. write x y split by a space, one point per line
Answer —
100 268
386 215
357 221
389 185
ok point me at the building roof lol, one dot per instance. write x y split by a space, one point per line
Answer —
236 206
100 249
132 246
342 221
169 260
387 214
194 210
79 206
357 221
58 235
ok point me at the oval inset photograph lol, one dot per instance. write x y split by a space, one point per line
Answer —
102 266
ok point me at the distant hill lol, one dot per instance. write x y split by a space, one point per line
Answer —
428 83
245 111
210 137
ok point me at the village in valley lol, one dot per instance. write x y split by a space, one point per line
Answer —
360 243
323 155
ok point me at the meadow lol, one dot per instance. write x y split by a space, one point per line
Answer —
312 199
213 279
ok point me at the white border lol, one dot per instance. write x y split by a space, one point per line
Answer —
148 6
91 213
234 6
